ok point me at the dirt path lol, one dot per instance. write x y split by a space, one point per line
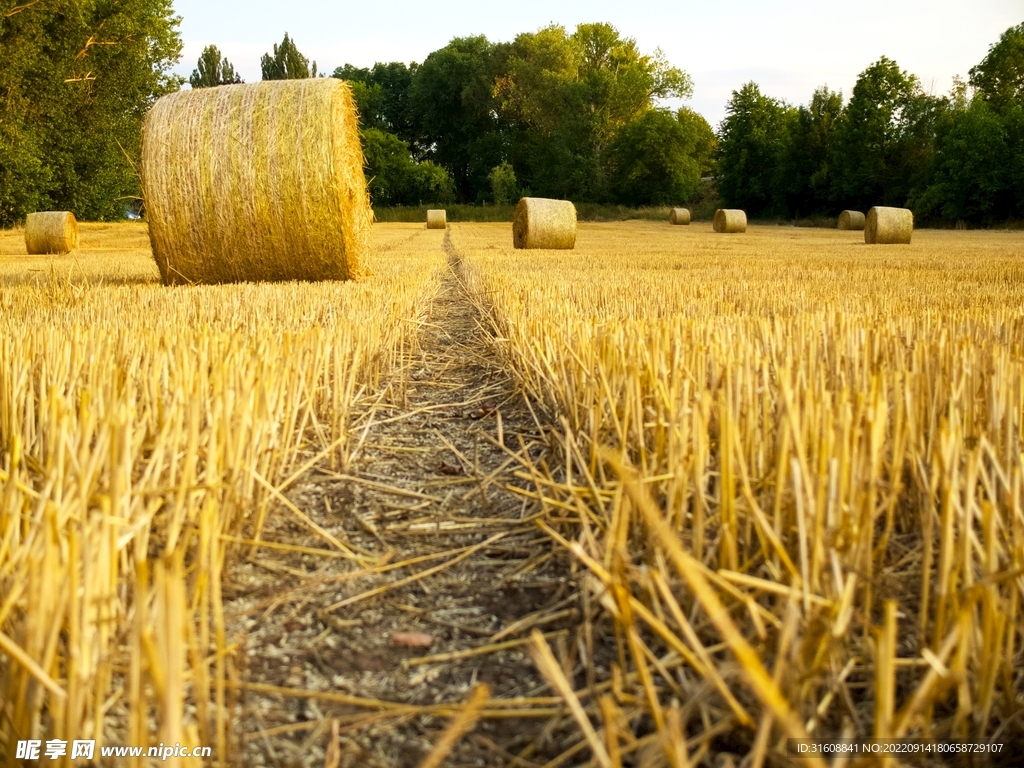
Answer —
463 568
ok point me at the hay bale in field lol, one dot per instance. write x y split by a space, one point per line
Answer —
679 216
256 182
437 219
851 220
730 220
542 223
887 226
51 232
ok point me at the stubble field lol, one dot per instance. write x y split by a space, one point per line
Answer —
666 499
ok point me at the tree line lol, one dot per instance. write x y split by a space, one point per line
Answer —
555 113
957 158
551 113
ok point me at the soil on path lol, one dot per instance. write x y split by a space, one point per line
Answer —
426 493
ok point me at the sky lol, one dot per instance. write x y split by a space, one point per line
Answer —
787 48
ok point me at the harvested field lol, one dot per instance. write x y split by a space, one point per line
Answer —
666 499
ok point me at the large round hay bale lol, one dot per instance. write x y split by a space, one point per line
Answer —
437 219
888 226
679 216
851 220
730 220
542 223
256 182
51 232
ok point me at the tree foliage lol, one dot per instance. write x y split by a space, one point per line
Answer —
884 139
999 77
574 114
382 97
213 70
77 77
807 175
504 184
751 142
655 159
959 158
565 97
451 98
395 178
971 165
286 62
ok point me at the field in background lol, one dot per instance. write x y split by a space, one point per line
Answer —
786 466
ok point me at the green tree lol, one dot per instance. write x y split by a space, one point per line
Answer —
77 78
653 160
752 140
565 98
970 180
885 140
395 178
504 185
999 77
24 177
212 70
702 137
382 96
286 63
806 169
999 80
451 99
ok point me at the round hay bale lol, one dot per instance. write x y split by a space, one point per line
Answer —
888 226
679 216
542 223
51 232
255 182
730 220
437 219
851 220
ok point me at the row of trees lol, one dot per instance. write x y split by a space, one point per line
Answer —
551 113
954 158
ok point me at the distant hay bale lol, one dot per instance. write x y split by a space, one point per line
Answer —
851 220
888 226
257 182
51 232
730 220
437 219
543 223
679 216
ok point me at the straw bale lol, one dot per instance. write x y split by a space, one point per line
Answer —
679 216
851 220
51 232
730 220
885 226
543 223
262 181
437 218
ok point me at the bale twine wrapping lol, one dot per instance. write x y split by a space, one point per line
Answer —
437 219
256 182
730 220
679 216
51 232
543 223
887 226
851 220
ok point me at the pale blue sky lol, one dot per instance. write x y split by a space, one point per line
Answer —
789 48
